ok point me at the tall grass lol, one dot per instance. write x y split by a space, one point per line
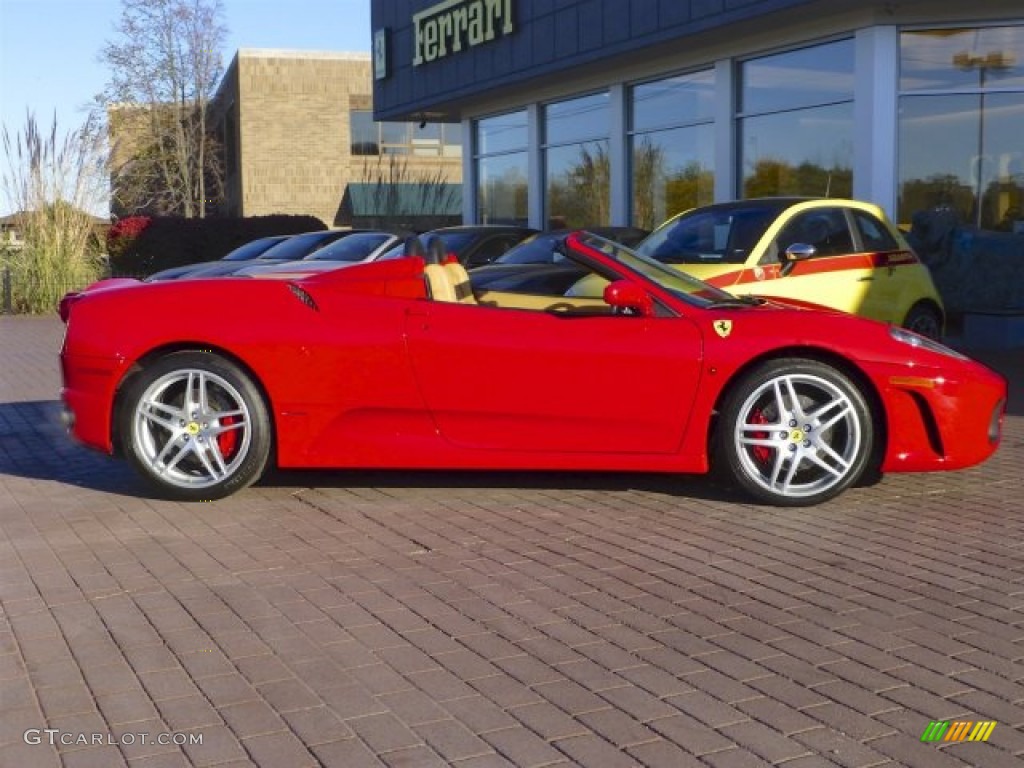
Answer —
53 184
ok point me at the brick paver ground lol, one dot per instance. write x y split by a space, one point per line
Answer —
450 619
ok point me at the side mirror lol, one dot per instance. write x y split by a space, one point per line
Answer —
794 253
628 298
799 252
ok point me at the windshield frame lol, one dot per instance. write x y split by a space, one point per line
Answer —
674 282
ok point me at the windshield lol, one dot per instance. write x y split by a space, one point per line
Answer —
356 247
678 283
537 249
716 235
297 246
253 249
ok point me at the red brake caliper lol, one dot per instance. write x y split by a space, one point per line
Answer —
761 453
227 441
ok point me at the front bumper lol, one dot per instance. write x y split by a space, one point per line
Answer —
947 421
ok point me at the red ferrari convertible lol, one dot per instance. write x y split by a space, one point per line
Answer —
621 363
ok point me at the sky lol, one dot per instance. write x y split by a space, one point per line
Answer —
49 49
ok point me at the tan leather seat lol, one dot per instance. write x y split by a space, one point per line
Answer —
438 282
462 288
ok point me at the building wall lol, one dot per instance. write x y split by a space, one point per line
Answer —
548 39
284 116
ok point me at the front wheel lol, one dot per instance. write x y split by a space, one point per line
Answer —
794 432
195 426
925 320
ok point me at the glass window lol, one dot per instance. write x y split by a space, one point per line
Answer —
795 130
578 185
673 101
502 189
502 168
961 158
430 139
672 147
502 133
821 74
951 59
394 133
825 229
577 119
874 235
354 247
807 152
364 133
577 165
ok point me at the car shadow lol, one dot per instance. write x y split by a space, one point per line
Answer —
35 445
697 487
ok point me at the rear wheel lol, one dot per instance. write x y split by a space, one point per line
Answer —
195 426
794 432
925 320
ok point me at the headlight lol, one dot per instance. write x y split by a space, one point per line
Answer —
923 342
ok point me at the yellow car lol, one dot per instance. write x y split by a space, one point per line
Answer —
843 254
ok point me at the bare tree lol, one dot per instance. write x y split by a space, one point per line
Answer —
164 67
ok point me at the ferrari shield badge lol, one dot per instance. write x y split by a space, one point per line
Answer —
723 328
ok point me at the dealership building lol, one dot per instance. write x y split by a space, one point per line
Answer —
624 112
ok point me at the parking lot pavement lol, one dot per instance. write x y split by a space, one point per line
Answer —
453 619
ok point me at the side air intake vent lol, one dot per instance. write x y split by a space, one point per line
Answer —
304 297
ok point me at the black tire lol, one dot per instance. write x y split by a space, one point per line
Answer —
794 433
924 319
195 426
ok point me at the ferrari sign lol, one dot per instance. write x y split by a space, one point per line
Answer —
723 327
452 25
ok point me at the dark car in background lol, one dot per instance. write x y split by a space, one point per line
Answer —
538 264
473 244
254 249
291 248
356 248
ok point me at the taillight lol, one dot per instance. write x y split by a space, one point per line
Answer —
64 306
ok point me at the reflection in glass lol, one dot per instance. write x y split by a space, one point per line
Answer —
820 74
363 133
394 133
803 152
577 119
432 139
502 189
578 191
672 172
948 59
502 133
673 101
964 153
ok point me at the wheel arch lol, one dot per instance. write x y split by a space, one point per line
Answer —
827 357
147 358
928 303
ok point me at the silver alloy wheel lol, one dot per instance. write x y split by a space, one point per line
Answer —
192 428
798 435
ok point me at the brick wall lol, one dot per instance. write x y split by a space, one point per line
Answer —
293 131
